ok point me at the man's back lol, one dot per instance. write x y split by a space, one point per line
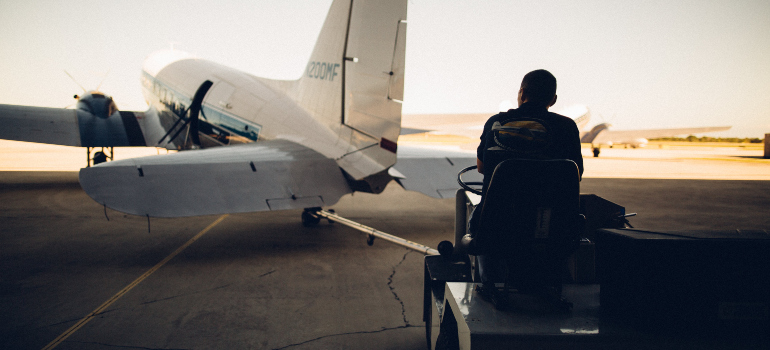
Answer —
529 132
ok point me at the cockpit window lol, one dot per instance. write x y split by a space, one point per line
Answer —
97 95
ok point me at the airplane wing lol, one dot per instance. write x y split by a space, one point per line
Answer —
266 175
468 124
433 170
619 136
37 124
471 124
70 127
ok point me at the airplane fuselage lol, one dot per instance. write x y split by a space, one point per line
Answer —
237 108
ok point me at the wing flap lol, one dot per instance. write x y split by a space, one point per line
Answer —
57 126
269 175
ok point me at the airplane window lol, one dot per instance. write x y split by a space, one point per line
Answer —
230 130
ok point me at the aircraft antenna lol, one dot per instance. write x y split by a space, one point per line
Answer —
76 82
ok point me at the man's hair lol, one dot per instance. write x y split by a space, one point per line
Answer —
539 87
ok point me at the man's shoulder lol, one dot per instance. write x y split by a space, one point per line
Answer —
560 117
499 117
530 114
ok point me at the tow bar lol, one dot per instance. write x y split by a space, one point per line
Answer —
372 233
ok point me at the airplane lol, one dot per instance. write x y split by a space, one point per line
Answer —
253 144
471 125
600 135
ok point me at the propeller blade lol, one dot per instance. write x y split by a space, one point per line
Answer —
76 82
103 79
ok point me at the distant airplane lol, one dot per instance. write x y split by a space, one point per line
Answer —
250 143
471 125
601 135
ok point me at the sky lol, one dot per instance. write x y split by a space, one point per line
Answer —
637 65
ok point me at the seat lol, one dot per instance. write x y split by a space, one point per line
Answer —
530 220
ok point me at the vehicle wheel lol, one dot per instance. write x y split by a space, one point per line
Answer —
596 152
99 157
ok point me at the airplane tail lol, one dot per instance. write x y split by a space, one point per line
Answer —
355 78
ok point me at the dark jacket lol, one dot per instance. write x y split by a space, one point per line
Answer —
529 132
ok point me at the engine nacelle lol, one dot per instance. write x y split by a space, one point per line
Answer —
102 125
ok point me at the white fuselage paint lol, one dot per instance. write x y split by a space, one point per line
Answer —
247 107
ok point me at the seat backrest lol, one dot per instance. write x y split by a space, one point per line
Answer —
516 137
529 201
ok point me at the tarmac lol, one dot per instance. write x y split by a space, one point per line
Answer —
263 281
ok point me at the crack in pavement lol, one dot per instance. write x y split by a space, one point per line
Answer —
346 333
201 291
185 294
57 323
393 289
120 346
76 319
267 273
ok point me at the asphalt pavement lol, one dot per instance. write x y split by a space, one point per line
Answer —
261 280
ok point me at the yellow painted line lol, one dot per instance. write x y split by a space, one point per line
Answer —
125 290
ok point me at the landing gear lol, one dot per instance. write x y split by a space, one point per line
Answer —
309 219
596 152
99 156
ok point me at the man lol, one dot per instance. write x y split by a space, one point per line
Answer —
536 94
529 132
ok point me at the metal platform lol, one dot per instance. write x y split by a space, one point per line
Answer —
457 317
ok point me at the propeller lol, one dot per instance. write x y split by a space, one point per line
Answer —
103 79
83 88
76 82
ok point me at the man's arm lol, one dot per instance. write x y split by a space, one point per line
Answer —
577 155
482 144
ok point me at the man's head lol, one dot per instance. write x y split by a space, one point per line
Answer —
539 88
